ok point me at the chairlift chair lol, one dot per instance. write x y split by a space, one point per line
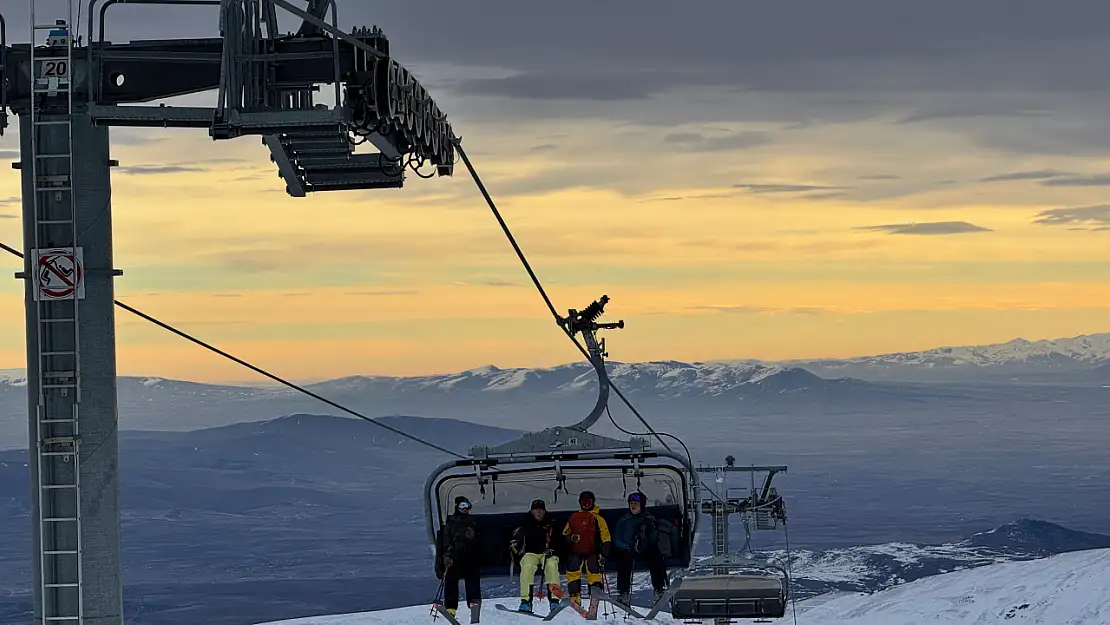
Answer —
558 463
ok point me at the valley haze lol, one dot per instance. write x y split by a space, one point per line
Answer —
236 497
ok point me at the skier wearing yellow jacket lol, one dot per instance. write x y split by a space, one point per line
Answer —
590 542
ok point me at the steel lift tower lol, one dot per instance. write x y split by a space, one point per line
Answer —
67 93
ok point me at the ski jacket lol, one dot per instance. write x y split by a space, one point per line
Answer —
537 537
636 532
459 541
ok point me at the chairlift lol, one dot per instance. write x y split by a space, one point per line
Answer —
556 464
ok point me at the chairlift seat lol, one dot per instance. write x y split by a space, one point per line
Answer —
730 596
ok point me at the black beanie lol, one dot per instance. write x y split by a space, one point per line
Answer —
538 505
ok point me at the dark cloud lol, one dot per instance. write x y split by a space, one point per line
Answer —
8 216
581 84
696 142
881 177
9 155
11 201
783 188
928 228
1101 180
1039 174
546 147
967 113
154 170
1081 217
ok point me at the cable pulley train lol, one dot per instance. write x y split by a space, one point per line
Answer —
557 463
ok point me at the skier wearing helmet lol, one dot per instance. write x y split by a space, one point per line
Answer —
636 537
588 534
458 557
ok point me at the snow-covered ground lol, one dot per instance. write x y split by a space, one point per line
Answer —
1067 589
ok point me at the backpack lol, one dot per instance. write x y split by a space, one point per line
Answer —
584 524
666 536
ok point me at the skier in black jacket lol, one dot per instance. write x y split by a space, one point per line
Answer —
458 557
537 543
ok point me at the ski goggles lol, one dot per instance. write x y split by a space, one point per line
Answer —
464 505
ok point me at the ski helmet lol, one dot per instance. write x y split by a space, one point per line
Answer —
538 505
637 496
586 496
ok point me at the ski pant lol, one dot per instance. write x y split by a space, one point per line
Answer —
472 577
575 564
626 561
529 564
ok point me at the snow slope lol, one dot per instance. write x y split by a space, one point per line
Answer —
1067 589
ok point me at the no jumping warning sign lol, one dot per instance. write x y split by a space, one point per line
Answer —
59 273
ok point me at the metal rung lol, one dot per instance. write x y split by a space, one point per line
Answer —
59 519
74 385
58 320
58 486
66 155
52 27
62 618
57 420
53 188
53 122
49 90
54 222
72 452
58 354
70 585
61 552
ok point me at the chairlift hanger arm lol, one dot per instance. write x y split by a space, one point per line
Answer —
585 321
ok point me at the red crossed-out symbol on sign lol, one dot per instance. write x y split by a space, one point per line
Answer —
58 266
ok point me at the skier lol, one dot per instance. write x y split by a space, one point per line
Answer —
636 537
536 543
458 557
586 530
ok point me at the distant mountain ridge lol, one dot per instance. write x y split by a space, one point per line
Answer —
1087 349
713 377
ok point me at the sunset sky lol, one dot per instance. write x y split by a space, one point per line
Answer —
744 180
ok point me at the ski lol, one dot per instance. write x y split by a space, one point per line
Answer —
617 604
590 613
550 615
447 615
475 613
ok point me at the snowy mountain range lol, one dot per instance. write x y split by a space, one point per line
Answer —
1067 589
496 396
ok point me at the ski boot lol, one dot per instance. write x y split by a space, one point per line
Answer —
657 595
525 606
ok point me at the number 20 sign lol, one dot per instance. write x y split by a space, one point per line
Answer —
54 68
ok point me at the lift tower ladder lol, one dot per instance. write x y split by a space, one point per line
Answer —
56 275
